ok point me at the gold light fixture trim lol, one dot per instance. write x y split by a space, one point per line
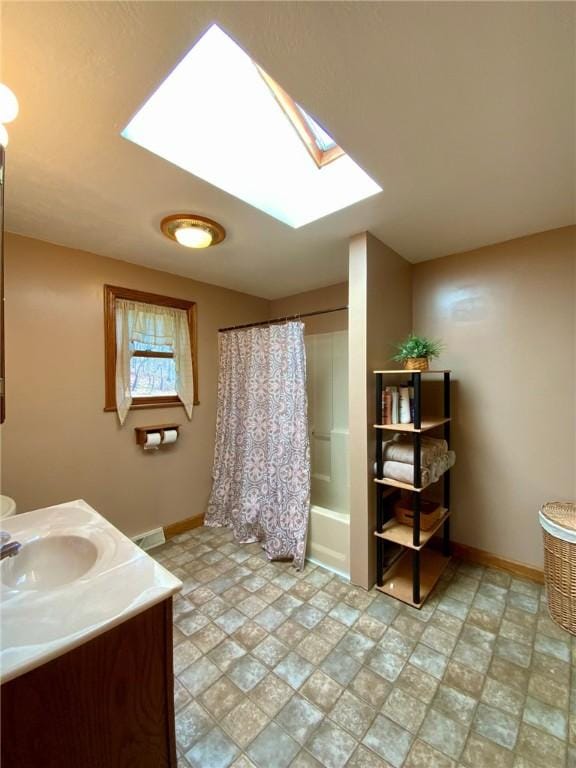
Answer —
177 223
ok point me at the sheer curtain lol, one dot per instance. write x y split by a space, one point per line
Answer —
157 326
261 467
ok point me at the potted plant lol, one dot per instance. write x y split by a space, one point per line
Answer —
415 352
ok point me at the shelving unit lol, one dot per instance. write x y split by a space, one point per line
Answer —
412 576
425 425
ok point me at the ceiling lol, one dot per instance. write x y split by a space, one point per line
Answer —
462 112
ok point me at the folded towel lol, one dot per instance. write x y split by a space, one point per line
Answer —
401 448
404 473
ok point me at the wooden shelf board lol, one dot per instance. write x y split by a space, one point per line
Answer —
397 484
426 424
400 533
398 580
407 373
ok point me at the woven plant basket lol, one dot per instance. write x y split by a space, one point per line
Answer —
558 520
416 364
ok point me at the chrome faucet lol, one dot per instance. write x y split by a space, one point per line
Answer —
8 548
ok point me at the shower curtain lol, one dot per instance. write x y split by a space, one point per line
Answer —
261 469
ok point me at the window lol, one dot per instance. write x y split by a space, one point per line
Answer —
321 146
151 358
219 116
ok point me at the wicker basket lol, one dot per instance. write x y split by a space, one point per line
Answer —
558 520
430 513
416 364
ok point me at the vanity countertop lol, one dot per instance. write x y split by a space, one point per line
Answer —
40 624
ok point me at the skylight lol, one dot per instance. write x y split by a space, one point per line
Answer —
220 117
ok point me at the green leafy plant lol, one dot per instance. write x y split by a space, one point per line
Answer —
417 346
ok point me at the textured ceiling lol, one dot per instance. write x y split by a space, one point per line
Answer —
463 113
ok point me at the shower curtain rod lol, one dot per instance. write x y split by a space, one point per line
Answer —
283 319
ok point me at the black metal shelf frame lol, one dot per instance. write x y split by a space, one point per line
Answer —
416 500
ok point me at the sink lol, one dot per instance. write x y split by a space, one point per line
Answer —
75 577
49 562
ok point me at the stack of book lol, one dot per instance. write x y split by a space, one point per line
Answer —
398 405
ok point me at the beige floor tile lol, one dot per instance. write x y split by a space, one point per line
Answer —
438 639
366 758
249 635
305 760
244 722
553 692
404 709
271 694
418 683
480 677
370 627
455 704
502 696
540 747
322 690
480 752
422 755
353 714
221 697
506 672
314 648
370 687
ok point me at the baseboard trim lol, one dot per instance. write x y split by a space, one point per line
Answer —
183 525
479 556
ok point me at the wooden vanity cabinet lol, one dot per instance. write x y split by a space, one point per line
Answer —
107 704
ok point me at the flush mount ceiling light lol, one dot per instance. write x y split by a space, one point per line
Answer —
192 231
254 142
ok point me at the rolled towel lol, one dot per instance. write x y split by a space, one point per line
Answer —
401 448
440 445
404 473
446 462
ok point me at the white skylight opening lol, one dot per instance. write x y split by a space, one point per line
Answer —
216 117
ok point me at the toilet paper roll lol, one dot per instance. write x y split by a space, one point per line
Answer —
152 440
170 436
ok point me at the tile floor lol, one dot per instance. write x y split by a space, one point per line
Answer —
276 668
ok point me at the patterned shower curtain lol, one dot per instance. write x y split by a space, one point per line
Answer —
261 467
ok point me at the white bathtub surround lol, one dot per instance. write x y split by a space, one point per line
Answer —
327 384
329 540
75 577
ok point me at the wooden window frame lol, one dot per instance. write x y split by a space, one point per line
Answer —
288 105
111 294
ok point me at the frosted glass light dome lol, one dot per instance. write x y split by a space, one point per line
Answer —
8 104
193 237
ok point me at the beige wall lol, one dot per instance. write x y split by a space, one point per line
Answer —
58 444
311 301
380 297
506 314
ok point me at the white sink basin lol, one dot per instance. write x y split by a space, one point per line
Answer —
49 562
75 577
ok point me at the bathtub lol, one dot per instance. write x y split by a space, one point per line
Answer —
329 540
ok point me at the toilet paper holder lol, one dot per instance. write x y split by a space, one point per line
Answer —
142 434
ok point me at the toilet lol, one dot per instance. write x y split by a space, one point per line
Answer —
7 507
